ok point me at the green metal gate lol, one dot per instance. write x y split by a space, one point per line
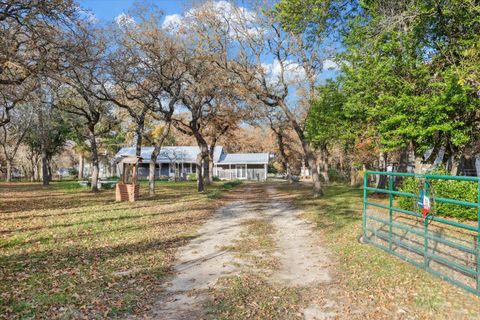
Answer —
444 247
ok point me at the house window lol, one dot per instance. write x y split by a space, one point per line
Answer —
194 167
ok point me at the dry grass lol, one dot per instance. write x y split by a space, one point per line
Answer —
256 244
250 295
68 253
373 282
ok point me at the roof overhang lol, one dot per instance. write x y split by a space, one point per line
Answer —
240 163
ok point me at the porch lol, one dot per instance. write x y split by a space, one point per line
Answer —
240 171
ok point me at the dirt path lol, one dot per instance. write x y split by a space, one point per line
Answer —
204 260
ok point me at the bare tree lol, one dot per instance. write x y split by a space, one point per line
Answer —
151 78
31 43
206 87
83 68
224 119
48 131
13 134
278 126
295 66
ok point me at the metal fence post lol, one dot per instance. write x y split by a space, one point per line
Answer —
390 211
364 226
425 234
478 237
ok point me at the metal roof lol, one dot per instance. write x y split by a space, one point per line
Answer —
242 158
168 154
189 154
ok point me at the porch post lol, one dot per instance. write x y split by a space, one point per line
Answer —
246 171
265 169
230 171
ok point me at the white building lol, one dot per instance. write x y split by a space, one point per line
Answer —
180 161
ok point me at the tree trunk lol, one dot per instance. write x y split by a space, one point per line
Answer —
152 167
156 151
206 169
200 186
455 165
403 161
323 165
43 147
151 177
283 154
38 169
32 169
289 175
81 166
211 151
353 175
95 167
402 166
202 158
210 170
45 177
342 164
317 187
50 170
9 171
138 136
309 156
418 164
382 179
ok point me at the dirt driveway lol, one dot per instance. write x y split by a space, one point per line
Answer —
259 234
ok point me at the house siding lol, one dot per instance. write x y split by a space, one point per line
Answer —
229 172
251 166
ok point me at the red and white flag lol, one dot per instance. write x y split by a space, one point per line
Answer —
426 205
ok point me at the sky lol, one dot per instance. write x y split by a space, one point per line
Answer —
107 10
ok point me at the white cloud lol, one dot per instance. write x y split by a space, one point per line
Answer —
240 20
293 72
330 65
124 20
172 22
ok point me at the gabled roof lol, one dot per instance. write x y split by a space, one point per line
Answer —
189 154
168 154
244 158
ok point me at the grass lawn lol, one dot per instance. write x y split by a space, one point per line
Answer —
383 286
68 253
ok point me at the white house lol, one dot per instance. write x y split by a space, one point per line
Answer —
181 161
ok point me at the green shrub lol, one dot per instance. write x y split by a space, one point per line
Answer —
192 177
231 184
73 172
215 194
216 179
72 185
335 176
450 189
